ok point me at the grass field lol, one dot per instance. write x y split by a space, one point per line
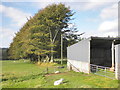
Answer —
23 74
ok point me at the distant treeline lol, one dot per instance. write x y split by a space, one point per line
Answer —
3 53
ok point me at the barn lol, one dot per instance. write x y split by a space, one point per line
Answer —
93 54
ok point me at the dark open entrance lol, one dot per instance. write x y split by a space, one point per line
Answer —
100 52
102 56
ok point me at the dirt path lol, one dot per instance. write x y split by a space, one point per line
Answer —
55 74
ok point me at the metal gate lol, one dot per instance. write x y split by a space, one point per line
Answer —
102 71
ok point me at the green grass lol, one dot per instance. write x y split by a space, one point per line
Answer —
20 74
81 80
106 73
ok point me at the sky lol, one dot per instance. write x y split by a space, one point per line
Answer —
94 17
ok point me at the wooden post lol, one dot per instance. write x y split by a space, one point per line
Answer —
61 48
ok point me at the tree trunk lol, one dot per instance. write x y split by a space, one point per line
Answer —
51 55
39 58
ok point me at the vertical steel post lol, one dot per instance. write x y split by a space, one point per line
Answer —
96 68
105 70
113 52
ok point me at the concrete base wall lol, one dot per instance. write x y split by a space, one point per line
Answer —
78 66
117 72
117 62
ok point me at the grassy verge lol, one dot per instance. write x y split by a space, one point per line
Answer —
23 74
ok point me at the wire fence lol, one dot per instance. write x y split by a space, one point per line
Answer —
102 71
55 70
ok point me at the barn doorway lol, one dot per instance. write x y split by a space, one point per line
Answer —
101 53
102 57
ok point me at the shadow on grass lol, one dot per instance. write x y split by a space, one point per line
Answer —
65 81
4 79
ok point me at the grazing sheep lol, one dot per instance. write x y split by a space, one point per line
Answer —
58 81
57 72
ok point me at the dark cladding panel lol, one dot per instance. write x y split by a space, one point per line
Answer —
100 53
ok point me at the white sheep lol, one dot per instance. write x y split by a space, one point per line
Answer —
58 81
57 72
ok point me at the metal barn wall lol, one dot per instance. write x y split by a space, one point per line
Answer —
117 61
117 55
78 56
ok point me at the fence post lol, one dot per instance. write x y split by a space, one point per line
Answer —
96 68
105 69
